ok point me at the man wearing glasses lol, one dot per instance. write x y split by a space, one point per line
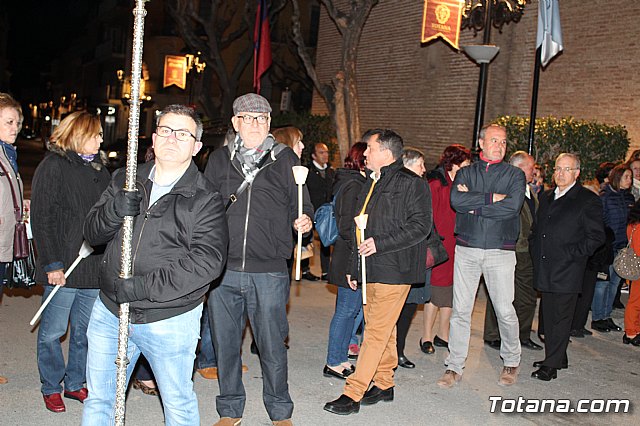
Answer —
487 197
569 228
254 174
179 247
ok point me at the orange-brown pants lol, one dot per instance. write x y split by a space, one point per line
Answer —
378 355
632 311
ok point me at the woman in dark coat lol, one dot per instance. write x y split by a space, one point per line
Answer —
616 203
349 181
65 186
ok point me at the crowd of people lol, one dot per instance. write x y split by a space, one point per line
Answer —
212 252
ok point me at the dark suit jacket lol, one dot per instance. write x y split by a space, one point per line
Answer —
320 188
566 233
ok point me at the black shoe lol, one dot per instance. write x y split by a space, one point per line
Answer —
324 277
612 325
343 406
404 363
375 395
495 344
440 342
427 347
545 373
329 372
530 344
576 333
538 364
310 277
635 341
586 332
618 305
601 326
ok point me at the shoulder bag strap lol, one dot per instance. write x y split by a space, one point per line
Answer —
16 208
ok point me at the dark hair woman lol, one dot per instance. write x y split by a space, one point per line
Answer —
632 311
346 187
10 124
66 184
440 180
616 202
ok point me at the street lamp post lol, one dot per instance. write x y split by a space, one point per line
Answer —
482 15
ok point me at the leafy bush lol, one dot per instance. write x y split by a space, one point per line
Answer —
593 142
315 128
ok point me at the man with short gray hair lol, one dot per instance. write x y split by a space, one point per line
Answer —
525 296
254 175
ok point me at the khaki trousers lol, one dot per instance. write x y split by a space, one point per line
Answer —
378 354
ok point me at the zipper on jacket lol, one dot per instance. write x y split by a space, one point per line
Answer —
246 228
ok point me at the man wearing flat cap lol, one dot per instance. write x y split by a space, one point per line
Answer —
254 175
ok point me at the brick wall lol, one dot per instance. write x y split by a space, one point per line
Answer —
427 93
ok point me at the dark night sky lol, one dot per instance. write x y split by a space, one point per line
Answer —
38 31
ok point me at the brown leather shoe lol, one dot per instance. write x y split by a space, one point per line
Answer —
449 379
3 380
286 422
79 395
228 421
508 376
54 403
211 373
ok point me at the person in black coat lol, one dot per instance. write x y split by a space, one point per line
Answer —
568 229
348 183
65 186
320 185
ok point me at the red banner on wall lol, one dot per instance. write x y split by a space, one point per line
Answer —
442 19
175 71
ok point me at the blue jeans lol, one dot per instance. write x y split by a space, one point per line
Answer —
348 305
170 347
262 297
207 356
69 305
356 325
603 296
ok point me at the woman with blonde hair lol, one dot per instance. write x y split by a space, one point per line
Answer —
66 184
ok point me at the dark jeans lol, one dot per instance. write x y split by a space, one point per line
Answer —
263 297
524 301
207 355
584 300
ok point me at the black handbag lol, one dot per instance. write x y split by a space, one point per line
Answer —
436 253
21 272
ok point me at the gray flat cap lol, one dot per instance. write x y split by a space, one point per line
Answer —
251 102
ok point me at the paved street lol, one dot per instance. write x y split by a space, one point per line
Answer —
601 367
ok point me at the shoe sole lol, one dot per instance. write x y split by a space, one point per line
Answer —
354 411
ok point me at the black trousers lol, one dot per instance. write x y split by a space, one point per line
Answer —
558 309
404 321
524 301
584 300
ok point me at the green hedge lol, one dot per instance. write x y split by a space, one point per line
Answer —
315 128
594 142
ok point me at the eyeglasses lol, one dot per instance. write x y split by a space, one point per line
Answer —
181 135
564 169
248 119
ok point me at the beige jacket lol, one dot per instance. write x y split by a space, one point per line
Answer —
7 215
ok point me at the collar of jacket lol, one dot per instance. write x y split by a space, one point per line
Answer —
391 168
98 162
440 174
483 159
186 185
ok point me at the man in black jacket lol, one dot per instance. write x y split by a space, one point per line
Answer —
320 185
254 174
569 228
398 204
487 197
179 246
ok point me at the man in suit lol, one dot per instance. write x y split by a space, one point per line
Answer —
525 296
320 185
568 229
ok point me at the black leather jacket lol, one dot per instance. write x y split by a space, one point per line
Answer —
400 220
179 244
